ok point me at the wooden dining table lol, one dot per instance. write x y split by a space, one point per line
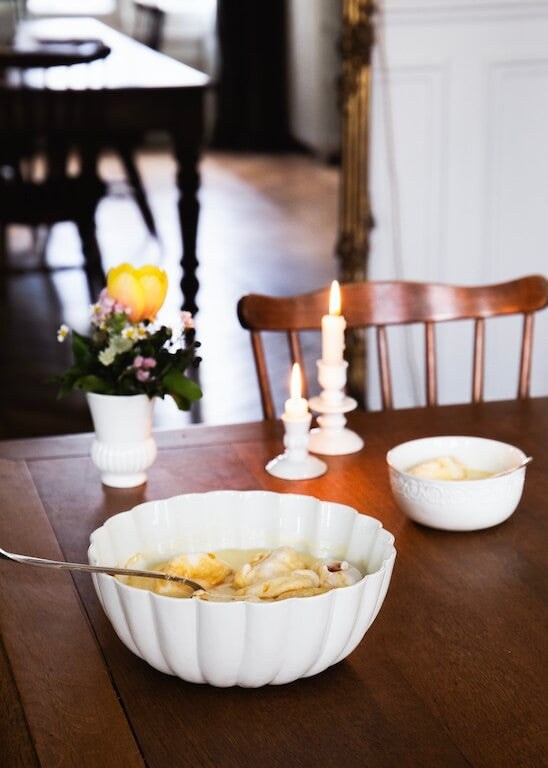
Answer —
452 672
112 101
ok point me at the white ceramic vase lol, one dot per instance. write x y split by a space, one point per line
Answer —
123 447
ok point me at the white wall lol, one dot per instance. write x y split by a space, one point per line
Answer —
459 177
313 27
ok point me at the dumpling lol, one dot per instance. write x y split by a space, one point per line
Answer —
205 568
274 587
444 468
267 565
337 573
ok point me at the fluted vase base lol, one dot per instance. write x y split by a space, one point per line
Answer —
124 481
123 447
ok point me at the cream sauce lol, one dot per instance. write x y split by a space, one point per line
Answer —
248 574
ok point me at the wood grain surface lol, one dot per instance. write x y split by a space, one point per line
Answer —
70 707
450 674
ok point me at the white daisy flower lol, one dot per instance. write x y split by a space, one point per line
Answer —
62 332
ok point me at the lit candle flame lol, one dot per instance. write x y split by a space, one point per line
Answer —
335 299
296 385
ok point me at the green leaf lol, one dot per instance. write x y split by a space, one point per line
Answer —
65 387
91 383
81 349
181 402
181 385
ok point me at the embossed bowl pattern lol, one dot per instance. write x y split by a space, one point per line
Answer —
457 505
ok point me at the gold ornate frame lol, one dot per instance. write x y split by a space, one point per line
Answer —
355 218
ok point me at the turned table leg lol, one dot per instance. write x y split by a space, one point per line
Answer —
188 182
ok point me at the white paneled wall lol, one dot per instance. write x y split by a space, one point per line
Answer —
459 178
313 27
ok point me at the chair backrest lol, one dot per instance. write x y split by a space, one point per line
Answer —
382 304
41 129
38 120
148 23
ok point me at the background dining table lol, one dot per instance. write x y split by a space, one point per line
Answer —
452 672
113 101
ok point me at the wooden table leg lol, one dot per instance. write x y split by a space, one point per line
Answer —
188 182
89 161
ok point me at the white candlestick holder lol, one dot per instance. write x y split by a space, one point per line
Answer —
332 438
296 463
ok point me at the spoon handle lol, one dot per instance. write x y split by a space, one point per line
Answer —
113 571
527 460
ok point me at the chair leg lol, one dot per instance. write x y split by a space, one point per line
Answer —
3 248
92 256
138 188
40 236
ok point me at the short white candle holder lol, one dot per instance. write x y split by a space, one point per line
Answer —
296 463
332 438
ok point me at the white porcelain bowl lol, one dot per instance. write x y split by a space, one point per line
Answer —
243 643
457 505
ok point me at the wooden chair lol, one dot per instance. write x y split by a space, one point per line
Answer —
36 133
36 187
148 24
383 304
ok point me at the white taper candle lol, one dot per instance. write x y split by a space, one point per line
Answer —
333 327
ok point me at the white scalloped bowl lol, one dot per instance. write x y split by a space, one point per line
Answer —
243 643
457 505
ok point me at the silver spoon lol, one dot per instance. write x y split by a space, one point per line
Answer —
523 463
61 566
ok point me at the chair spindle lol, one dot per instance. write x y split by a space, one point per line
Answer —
430 363
526 356
384 368
262 375
479 360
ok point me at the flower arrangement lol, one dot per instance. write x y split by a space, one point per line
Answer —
127 351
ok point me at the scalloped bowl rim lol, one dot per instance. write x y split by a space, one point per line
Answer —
263 604
365 597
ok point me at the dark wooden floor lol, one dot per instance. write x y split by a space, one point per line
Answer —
268 224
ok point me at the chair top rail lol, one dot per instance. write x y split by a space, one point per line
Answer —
395 302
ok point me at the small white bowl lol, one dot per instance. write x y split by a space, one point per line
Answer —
243 643
457 505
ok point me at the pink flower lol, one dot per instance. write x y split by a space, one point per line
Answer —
144 362
106 302
141 366
104 307
187 319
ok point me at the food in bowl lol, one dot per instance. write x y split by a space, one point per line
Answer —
479 500
248 643
247 575
446 468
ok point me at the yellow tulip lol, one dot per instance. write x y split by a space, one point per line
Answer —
141 290
154 282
